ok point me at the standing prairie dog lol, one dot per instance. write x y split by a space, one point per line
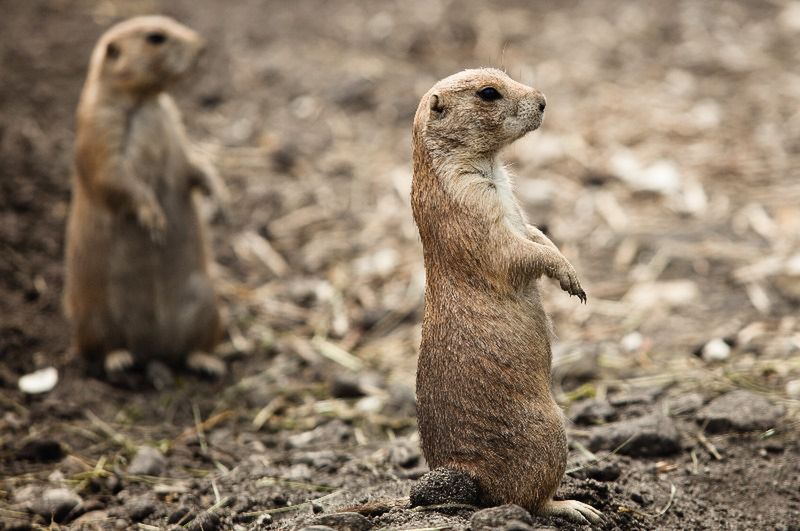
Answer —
137 283
483 380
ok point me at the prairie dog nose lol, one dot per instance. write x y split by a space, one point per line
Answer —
541 101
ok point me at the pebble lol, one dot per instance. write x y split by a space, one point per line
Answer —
739 411
504 517
38 382
326 460
600 472
404 455
343 522
333 432
55 504
205 521
635 396
715 350
41 450
262 521
444 486
590 411
345 385
179 515
138 509
647 436
90 521
685 403
148 461
632 342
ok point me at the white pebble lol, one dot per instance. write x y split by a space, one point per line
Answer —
632 342
40 381
716 350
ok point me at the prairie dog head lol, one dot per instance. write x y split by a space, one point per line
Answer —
145 54
480 111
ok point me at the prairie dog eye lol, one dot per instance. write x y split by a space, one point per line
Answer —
112 51
156 37
489 94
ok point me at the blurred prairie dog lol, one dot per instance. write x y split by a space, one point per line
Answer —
137 283
483 380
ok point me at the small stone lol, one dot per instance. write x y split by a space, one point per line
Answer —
501 518
715 350
263 520
370 404
41 450
205 521
632 342
114 484
26 495
635 396
344 522
148 461
404 455
345 385
326 460
648 436
442 486
179 515
591 411
138 509
333 432
739 411
55 504
685 403
38 382
316 508
600 472
90 521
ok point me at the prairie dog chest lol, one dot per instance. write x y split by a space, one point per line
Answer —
504 187
155 146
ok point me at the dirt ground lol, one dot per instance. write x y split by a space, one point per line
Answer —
666 170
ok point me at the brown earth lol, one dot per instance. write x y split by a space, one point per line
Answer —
667 171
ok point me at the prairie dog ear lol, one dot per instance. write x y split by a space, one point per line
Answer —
436 106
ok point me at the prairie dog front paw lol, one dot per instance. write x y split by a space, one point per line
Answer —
152 219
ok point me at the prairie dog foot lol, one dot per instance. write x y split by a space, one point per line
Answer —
207 364
160 375
573 510
118 361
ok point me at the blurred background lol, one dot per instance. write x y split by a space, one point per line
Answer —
666 171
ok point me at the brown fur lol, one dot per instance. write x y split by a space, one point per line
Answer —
137 264
483 380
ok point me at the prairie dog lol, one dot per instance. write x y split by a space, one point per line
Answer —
483 380
137 283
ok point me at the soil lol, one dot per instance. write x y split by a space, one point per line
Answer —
666 170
